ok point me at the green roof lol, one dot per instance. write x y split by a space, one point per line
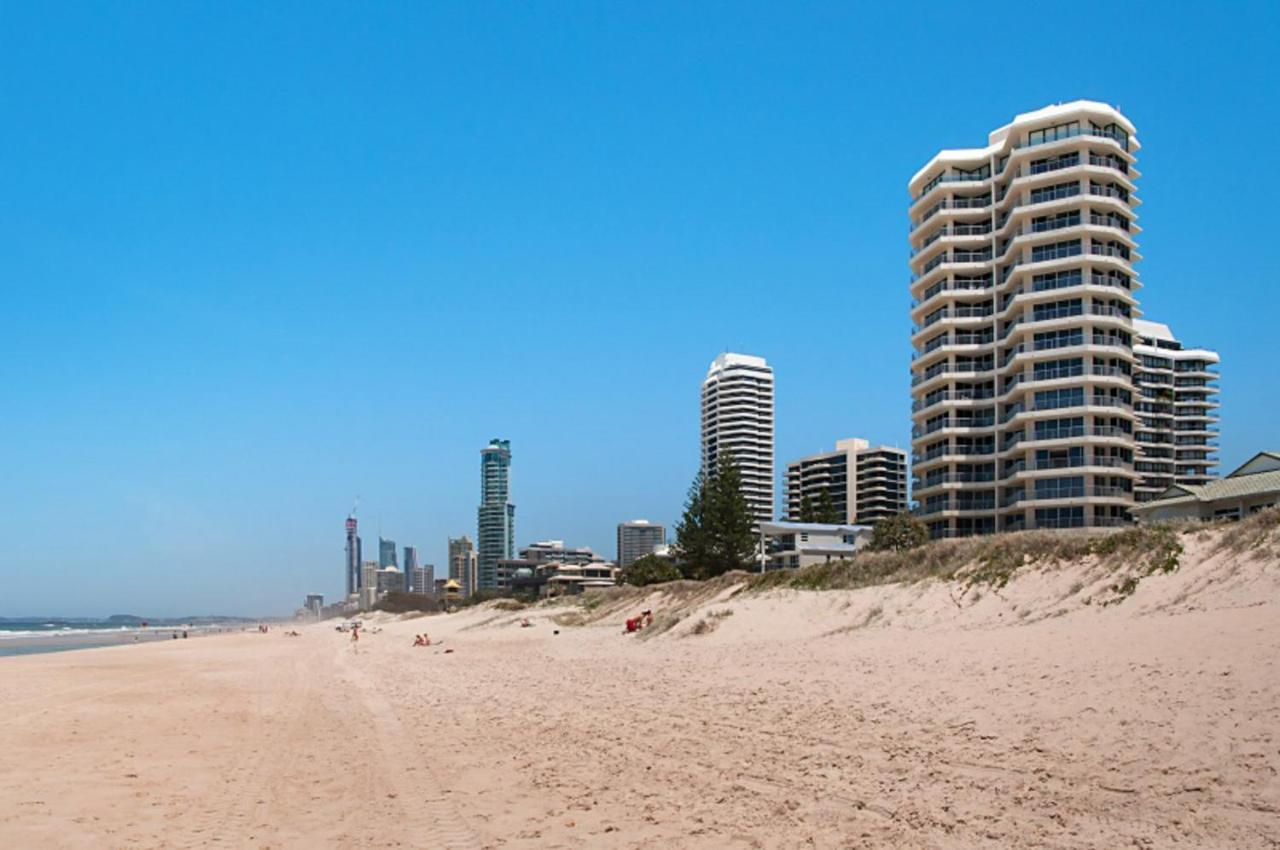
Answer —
1237 487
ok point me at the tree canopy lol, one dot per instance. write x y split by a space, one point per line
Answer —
899 533
650 569
714 533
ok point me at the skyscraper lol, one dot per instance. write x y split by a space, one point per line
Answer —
1177 411
410 565
1024 293
638 538
462 563
353 557
737 417
386 553
496 516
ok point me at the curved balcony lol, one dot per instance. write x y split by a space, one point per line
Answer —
960 399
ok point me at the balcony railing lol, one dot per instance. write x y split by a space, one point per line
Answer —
951 178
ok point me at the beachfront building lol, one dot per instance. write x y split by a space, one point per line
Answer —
462 564
791 545
511 572
1253 487
737 419
1024 294
314 604
557 579
1177 404
354 556
637 538
858 483
496 516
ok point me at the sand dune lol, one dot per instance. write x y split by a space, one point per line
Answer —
933 714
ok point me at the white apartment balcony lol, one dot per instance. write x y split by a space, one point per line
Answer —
1032 470
951 400
944 233
1101 435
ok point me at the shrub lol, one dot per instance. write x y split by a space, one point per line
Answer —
899 533
650 569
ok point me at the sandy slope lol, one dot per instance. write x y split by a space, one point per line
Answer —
910 716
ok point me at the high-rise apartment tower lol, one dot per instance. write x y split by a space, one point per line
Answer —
1024 295
863 484
410 565
737 418
1177 428
353 557
495 537
386 553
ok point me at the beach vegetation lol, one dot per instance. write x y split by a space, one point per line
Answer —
650 569
899 533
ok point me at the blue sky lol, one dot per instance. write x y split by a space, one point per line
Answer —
259 258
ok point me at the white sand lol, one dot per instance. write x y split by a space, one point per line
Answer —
904 716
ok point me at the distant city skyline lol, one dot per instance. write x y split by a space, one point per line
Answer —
207 215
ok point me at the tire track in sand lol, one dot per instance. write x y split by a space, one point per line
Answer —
431 819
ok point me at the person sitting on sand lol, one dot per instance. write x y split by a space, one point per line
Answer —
524 624
417 640
633 624
648 618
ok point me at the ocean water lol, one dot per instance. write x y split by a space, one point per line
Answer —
27 637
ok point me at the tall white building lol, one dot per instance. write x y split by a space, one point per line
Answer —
1024 295
1177 405
737 418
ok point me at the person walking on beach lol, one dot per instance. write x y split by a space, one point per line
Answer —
355 638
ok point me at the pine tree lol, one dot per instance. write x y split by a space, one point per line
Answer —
806 509
692 533
826 509
731 542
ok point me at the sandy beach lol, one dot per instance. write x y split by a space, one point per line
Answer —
895 716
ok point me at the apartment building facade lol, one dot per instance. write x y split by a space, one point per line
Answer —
1177 405
863 483
637 538
737 418
496 516
462 564
1024 295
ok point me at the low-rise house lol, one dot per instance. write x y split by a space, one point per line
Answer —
557 579
791 545
1252 487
